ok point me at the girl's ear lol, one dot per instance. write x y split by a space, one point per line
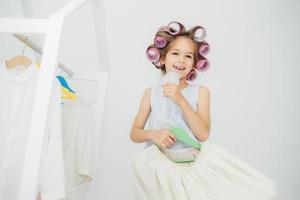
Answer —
162 61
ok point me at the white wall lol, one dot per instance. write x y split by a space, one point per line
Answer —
9 46
253 80
11 8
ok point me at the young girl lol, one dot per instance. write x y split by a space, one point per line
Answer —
171 168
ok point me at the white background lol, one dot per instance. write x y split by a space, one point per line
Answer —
253 80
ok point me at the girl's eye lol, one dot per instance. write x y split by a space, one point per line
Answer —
175 53
189 56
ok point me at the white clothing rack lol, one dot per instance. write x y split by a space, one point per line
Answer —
39 50
52 28
80 75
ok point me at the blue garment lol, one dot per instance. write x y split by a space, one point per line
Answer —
157 119
64 83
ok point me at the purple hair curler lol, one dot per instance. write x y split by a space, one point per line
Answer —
175 28
202 65
199 33
204 49
153 54
192 75
160 42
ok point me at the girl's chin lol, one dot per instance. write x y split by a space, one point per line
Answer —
180 72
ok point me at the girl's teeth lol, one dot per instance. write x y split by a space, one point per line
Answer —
180 68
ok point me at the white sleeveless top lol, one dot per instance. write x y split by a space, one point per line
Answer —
155 120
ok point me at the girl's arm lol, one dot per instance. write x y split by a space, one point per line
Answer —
138 134
199 121
164 138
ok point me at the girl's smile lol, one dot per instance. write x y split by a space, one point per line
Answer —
178 67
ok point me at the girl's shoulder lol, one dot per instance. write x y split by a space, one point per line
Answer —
145 103
150 88
150 91
203 94
200 87
203 89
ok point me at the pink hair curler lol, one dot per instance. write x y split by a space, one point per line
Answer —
160 42
192 75
153 54
202 65
204 49
199 33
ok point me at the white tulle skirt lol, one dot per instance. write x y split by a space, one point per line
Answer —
214 175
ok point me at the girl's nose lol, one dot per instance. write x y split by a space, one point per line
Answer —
180 59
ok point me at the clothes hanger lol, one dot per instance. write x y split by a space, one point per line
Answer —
18 60
184 137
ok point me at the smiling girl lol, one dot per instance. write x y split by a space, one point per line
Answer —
184 166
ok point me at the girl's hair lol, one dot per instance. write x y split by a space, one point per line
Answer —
164 38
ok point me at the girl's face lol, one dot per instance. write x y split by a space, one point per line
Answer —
180 56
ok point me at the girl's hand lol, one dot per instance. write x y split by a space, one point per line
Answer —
163 138
171 90
38 196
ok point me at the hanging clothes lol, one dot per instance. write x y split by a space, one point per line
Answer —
77 144
18 87
51 178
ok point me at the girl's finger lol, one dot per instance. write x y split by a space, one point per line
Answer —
173 137
170 140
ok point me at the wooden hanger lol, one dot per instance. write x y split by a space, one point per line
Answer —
18 60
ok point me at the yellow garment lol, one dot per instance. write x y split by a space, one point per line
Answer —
38 65
66 94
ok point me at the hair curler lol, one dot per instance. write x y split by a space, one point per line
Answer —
202 65
203 49
160 42
153 54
